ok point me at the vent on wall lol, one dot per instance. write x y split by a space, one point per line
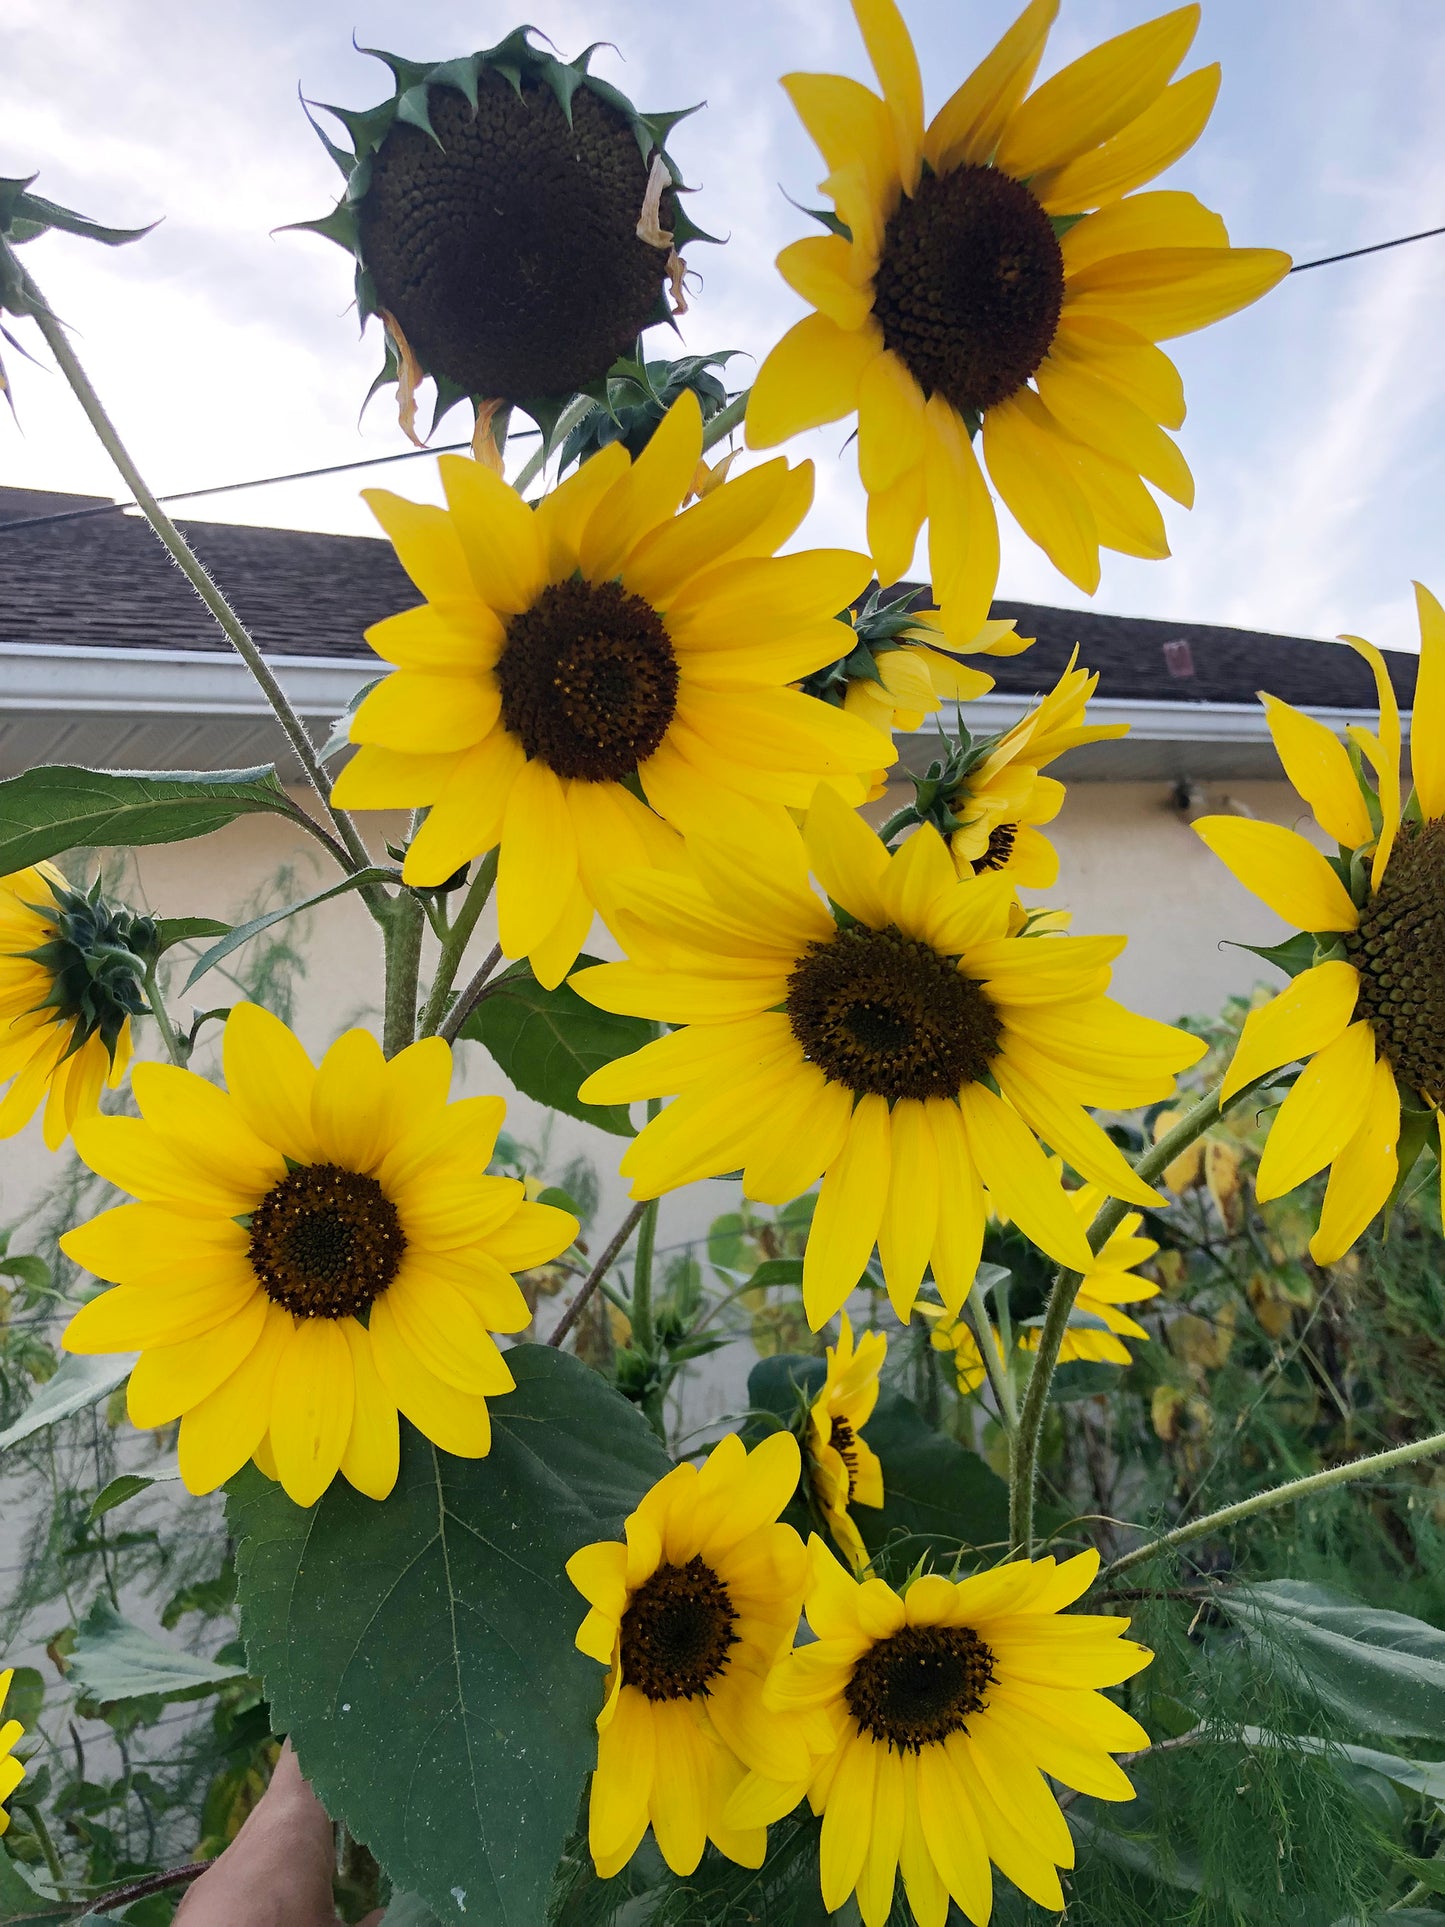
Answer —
1179 658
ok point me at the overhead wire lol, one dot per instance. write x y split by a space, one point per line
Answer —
451 448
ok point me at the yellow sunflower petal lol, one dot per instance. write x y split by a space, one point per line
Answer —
425 714
1096 95
1029 466
849 1211
1069 1129
1163 292
1126 517
313 1398
469 810
669 556
498 534
1165 218
823 269
426 544
1102 418
1167 128
1387 760
440 638
891 435
895 517
847 1820
458 1422
1324 1109
795 1142
204 1125
966 129
223 1431
539 859
681 1793
953 1834
649 493
1282 869
622 1784
140 1160
1427 725
1363 1173
270 1079
962 1210
910 1216
348 1102
564 511
847 857
372 1457
390 779
963 549
169 1379
810 377
1318 764
1020 1178
1306 1016
891 51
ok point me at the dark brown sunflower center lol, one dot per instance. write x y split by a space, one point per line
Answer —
915 1688
1000 848
325 1242
589 680
1399 951
970 286
676 1632
845 1443
507 247
881 1013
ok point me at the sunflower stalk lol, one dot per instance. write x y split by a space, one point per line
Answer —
1023 1470
478 987
455 942
997 1368
402 933
351 850
178 1049
1287 1494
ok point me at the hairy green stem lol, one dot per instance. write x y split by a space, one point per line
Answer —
725 420
47 1847
571 415
1278 1495
195 572
455 942
995 1367
478 986
900 820
402 931
177 1049
1025 1455
644 1332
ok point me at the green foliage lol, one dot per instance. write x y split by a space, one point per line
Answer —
75 1385
112 1660
53 808
461 1771
253 927
548 1042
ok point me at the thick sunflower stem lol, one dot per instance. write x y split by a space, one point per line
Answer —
455 942
196 573
403 933
1024 1457
898 822
1286 1494
725 420
995 1367
644 1331
178 1048
478 986
47 1846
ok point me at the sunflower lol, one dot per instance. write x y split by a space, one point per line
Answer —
1001 797
275 1217
576 658
689 1615
12 1771
934 1715
893 1039
1109 1282
843 1469
964 264
71 968
1369 1011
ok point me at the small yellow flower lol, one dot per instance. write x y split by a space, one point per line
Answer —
688 1616
276 1215
933 1716
1002 801
65 1026
12 1771
992 273
1369 1013
843 1468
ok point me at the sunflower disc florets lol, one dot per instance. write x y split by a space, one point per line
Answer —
515 223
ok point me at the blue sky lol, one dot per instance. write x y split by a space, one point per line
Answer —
1315 422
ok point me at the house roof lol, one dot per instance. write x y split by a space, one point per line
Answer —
94 617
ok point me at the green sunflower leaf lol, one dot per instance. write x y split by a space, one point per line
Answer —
243 932
420 1653
550 1041
77 1383
113 1660
53 808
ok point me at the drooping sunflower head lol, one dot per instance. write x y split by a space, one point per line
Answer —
12 1771
941 1709
1366 1006
516 224
993 270
590 672
311 1251
688 1615
72 967
843 1469
885 1032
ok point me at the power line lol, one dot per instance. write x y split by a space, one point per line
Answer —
451 448
1379 247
